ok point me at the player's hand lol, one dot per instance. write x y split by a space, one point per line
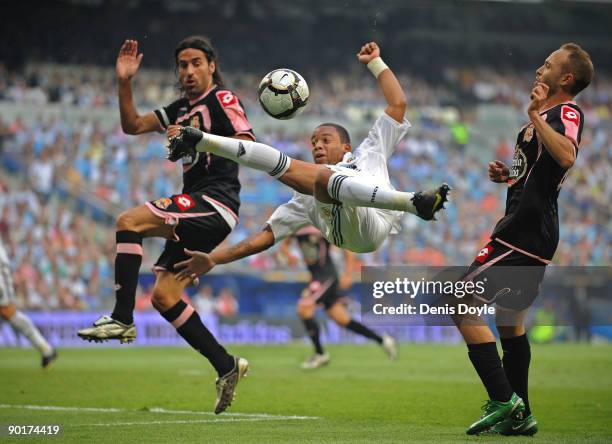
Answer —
538 95
368 52
128 60
173 131
183 143
292 260
200 263
346 281
498 171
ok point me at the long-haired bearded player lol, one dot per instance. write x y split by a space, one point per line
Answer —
198 219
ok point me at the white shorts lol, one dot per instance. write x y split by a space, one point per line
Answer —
358 229
7 292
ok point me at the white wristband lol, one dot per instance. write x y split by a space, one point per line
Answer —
376 66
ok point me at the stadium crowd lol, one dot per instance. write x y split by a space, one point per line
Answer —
63 256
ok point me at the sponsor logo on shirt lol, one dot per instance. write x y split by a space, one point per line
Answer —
226 98
484 254
184 202
569 114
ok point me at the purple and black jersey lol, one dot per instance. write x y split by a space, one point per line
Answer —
531 222
217 111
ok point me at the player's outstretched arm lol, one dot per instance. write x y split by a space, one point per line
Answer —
128 62
202 263
369 55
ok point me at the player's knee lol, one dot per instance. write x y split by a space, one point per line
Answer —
126 221
510 331
7 312
339 317
340 322
303 311
160 300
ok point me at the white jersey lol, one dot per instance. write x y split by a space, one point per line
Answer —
3 256
7 295
363 229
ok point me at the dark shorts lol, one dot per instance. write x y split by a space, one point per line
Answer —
511 279
325 292
197 226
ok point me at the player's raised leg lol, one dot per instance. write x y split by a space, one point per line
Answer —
312 179
337 186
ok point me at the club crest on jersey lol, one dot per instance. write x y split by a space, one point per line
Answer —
163 202
484 254
528 134
195 121
184 202
518 168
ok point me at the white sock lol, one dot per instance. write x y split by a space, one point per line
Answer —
248 153
355 191
23 324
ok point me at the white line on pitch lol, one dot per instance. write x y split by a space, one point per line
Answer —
192 421
150 410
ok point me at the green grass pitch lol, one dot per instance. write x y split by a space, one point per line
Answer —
429 395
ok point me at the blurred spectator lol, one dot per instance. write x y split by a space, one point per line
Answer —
226 304
204 300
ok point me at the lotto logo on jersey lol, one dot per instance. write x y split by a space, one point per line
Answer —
484 254
184 202
226 98
569 114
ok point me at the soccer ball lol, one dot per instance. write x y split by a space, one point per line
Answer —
283 93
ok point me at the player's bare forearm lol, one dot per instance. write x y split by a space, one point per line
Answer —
369 55
131 121
559 147
127 109
201 263
394 95
253 244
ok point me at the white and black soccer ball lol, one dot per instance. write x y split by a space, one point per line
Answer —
283 93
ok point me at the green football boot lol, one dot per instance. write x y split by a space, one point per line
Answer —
495 412
516 425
